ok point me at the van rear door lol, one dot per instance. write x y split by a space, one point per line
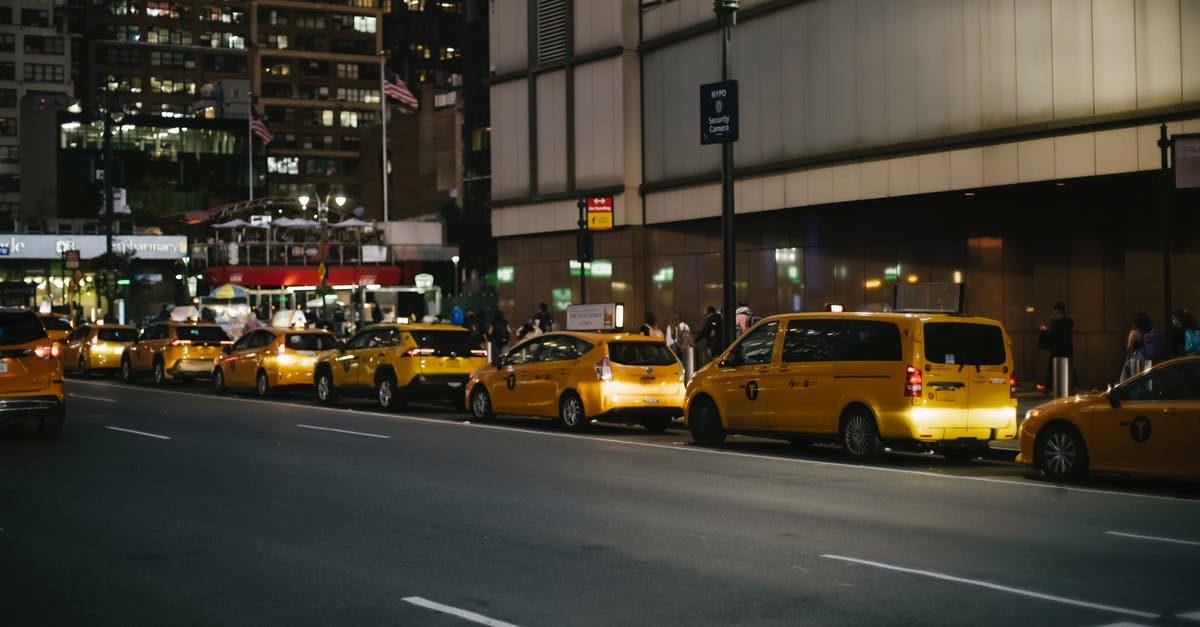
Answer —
968 377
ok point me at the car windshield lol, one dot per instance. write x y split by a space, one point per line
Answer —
445 343
19 327
964 343
309 341
116 335
641 354
202 334
56 323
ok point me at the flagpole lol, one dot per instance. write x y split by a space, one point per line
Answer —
250 140
383 139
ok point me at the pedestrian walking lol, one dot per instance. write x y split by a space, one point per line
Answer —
744 318
1057 338
650 326
545 321
1185 336
498 334
1143 346
710 334
678 335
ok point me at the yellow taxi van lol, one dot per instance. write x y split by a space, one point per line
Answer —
31 377
267 360
869 381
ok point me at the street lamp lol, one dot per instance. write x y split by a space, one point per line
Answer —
112 113
455 259
322 205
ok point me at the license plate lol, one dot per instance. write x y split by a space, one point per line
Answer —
307 353
455 384
650 401
3 366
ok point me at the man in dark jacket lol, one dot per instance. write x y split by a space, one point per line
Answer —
1057 338
711 335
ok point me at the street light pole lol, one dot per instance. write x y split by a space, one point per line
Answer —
726 11
109 286
454 259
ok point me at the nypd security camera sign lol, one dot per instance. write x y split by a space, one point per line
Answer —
718 112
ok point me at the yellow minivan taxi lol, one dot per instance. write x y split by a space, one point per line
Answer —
31 378
577 377
271 359
933 382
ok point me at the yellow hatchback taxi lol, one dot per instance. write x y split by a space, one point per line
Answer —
580 376
267 360
94 347
31 379
58 326
397 363
174 349
931 382
1147 425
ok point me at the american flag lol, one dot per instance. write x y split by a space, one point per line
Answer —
259 127
394 88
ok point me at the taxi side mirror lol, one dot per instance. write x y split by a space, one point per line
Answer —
1114 399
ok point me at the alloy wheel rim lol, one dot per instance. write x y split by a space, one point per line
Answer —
219 381
159 375
571 411
262 385
857 435
385 393
480 404
323 388
1060 453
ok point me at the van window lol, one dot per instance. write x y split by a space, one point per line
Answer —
756 347
964 343
641 354
841 340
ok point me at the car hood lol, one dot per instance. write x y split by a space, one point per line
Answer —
1077 401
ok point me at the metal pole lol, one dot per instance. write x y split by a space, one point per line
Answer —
109 286
582 267
726 11
1062 376
1164 205
383 111
250 142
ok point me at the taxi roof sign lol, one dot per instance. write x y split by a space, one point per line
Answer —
598 317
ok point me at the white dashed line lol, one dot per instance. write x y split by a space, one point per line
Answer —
454 611
1124 624
366 435
994 586
93 398
1189 616
1154 538
149 435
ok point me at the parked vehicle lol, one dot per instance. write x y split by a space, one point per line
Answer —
31 378
180 350
267 360
95 347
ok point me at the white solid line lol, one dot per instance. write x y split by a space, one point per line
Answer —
369 435
1156 538
993 586
454 611
149 435
93 398
1124 624
1189 616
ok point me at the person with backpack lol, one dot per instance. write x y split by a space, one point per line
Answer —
1185 336
545 321
1143 346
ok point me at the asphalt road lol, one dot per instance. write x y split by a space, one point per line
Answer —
173 506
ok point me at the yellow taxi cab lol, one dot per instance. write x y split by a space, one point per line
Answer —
577 377
271 359
1148 424
31 378
92 347
58 326
932 382
396 363
180 350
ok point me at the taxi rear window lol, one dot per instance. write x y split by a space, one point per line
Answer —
116 335
445 343
55 323
18 327
202 334
964 343
309 341
640 354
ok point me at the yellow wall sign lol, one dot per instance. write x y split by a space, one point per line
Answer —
321 273
600 213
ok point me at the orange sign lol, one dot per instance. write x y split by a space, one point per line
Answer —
600 213
321 273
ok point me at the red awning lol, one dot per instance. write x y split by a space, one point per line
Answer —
287 276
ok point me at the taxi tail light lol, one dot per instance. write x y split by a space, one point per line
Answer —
418 351
227 341
46 352
95 341
603 369
479 352
1012 385
181 342
281 350
912 382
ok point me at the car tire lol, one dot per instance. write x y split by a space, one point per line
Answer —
51 426
705 423
571 414
859 435
656 424
481 404
326 392
160 371
218 380
386 394
127 373
262 385
1061 453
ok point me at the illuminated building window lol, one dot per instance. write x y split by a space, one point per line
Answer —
309 20
162 8
283 165
349 119
44 72
347 70
327 117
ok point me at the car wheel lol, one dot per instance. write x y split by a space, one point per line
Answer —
705 423
81 368
262 385
326 393
385 392
859 435
51 426
1062 455
127 374
571 414
656 424
160 372
481 404
218 379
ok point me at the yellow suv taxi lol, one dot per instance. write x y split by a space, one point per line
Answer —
93 347
271 359
31 378
396 363
933 382
580 376
174 349
58 326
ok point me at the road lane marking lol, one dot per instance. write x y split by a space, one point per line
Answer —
994 586
93 398
1189 616
149 435
368 435
454 611
1155 538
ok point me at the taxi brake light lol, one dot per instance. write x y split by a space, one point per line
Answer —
180 342
418 352
46 352
603 369
95 341
280 350
912 382
1012 385
479 352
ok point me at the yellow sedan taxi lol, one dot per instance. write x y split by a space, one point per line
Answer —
93 347
31 378
580 376
1147 425
271 359
174 349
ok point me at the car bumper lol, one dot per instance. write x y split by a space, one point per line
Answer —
191 368
436 385
638 414
16 409
283 378
99 361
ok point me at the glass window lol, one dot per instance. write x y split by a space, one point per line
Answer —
866 340
8 42
641 353
116 335
809 339
309 341
157 332
56 323
561 348
243 342
19 327
1180 382
756 347
444 343
964 343
202 333
521 354
360 339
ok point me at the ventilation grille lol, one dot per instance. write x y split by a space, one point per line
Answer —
551 31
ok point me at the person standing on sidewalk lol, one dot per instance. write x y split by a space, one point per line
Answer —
1057 338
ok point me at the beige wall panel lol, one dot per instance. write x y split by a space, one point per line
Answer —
818 72
597 25
966 97
903 176
710 200
599 120
694 205
795 188
1116 151
843 86
998 65
966 168
1075 156
1035 160
509 26
1035 82
1189 18
933 172
510 139
504 221
820 186
673 78
1114 71
552 132
846 182
933 68
1072 57
871 109
1000 164
1158 62
793 90
757 66
1190 126
747 195
773 194
873 178
900 32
